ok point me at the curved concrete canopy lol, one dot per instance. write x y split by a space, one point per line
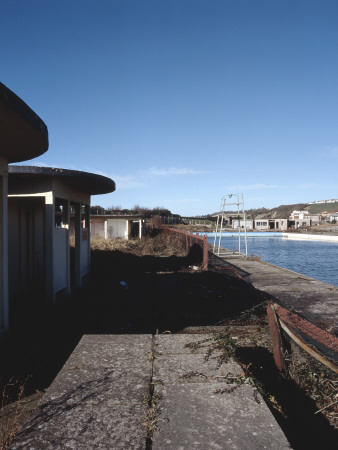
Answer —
90 183
23 135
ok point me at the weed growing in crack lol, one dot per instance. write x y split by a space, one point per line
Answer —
194 346
9 421
151 420
226 344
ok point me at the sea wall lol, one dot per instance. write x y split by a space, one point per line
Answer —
310 237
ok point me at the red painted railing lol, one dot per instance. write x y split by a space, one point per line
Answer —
191 239
317 342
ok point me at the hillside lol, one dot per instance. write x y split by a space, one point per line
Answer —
284 211
318 208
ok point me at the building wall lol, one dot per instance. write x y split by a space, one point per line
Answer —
26 237
40 248
262 224
117 228
236 223
97 227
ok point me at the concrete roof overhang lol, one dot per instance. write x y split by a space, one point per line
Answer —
90 183
23 135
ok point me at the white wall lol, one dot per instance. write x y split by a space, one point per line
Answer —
97 227
117 228
262 224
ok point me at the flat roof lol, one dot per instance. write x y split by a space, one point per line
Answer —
23 135
116 216
90 183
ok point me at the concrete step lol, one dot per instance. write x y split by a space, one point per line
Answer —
144 391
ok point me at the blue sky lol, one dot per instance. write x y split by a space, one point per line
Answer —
183 101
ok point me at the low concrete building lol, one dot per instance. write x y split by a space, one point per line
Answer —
109 227
278 224
333 217
262 224
23 136
40 202
240 224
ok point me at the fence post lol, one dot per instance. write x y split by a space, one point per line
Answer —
278 351
205 253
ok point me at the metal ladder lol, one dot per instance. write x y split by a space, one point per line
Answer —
224 214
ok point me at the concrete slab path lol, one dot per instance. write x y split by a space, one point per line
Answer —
143 392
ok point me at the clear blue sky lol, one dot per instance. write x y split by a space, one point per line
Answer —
183 101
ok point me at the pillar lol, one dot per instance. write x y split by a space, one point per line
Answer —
78 237
49 245
4 315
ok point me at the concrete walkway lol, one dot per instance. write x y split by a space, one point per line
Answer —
144 391
315 300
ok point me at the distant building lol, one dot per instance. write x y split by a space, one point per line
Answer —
262 224
304 219
333 217
108 227
240 224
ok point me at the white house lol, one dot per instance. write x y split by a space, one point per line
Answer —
40 201
108 226
304 219
23 136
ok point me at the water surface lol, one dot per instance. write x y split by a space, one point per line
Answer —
315 259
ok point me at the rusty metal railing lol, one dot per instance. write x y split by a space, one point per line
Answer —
191 239
317 342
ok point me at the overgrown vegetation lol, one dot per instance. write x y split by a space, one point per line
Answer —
319 382
159 245
10 415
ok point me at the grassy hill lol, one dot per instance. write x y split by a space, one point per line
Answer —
318 208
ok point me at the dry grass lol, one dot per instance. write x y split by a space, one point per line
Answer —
10 415
160 245
319 382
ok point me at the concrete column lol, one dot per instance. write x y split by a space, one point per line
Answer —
78 237
87 221
49 245
140 228
4 314
66 224
106 229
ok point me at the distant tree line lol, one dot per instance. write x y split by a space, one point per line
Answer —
137 210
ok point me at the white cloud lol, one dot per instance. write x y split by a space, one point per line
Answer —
305 186
187 200
127 182
249 187
173 171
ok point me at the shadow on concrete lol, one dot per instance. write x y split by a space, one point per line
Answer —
127 294
302 427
